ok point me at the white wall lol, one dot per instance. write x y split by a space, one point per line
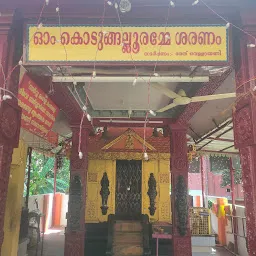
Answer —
240 211
40 198
64 210
242 250
214 222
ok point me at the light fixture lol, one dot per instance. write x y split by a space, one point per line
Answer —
40 25
251 45
80 154
195 3
7 97
94 73
75 83
146 156
152 113
125 6
129 112
109 3
227 25
84 108
130 121
130 79
89 117
116 5
134 81
57 9
20 62
172 4
46 2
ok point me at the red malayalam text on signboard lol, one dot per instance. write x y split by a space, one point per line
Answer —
38 110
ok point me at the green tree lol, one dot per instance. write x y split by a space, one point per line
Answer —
226 178
42 175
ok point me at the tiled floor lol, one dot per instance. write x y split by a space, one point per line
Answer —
54 246
222 252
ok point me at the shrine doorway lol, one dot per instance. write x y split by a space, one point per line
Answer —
128 189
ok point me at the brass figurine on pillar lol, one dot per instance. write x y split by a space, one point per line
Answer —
152 193
104 192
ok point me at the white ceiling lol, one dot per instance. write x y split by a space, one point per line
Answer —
219 110
125 96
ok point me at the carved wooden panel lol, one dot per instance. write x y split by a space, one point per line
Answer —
92 177
148 168
152 193
243 127
164 191
75 204
96 168
164 178
165 214
91 210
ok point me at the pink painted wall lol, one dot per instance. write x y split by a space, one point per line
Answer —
214 188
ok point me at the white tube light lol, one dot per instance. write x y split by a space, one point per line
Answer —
130 122
130 79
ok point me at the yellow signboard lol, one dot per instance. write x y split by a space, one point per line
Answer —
86 44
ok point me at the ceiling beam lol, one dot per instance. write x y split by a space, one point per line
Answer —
131 122
227 148
218 152
221 139
213 132
216 137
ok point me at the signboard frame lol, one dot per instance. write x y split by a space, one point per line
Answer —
39 118
226 62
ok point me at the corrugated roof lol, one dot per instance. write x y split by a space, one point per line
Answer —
220 141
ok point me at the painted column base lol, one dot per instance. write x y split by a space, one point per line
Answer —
74 243
182 246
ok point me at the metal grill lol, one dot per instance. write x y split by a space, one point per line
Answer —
128 189
200 224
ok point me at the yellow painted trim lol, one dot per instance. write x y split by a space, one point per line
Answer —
14 201
131 133
127 156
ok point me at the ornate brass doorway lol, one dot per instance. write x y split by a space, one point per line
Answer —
128 189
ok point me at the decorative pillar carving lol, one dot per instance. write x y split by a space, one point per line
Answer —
10 112
104 192
75 231
152 193
244 119
179 171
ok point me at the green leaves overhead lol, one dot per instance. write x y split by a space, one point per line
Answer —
42 175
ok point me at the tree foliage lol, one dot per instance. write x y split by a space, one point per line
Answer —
42 175
226 178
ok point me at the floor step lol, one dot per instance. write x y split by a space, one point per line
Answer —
125 250
128 238
128 226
